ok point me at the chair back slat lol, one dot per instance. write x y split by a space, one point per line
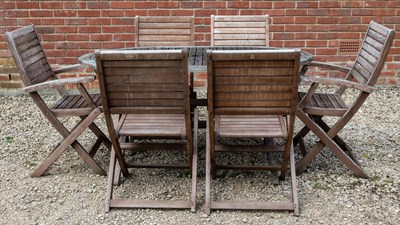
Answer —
258 82
29 56
153 81
164 31
240 30
372 54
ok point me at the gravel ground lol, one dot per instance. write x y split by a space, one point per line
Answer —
70 193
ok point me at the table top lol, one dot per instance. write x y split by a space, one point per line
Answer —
197 55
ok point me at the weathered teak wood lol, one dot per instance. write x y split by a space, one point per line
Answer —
240 30
149 90
314 106
252 94
37 75
164 31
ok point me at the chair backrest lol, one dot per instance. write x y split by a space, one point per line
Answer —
240 30
251 82
28 55
372 54
143 82
164 31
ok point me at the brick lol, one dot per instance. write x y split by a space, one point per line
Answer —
295 28
113 44
74 5
348 35
55 53
7 5
316 43
157 12
27 5
251 12
352 4
261 5
76 53
202 29
168 5
283 5
283 20
276 28
122 5
205 13
101 21
77 37
101 37
238 5
294 44
145 5
53 37
11 85
326 36
305 20
65 13
122 21
307 5
112 13
88 13
124 37
283 36
136 12
191 4
275 12
182 12
215 5
296 12
41 13
76 21
51 5
112 29
16 14
232 12
349 20
326 51
318 12
322 20
339 27
89 45
65 29
329 4
45 30
89 29
28 21
52 21
65 45
306 35
391 20
98 5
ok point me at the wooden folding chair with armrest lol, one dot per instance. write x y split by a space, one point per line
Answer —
149 92
314 106
37 75
250 93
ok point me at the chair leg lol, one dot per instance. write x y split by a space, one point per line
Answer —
299 139
194 160
293 180
110 180
100 135
70 139
325 140
208 174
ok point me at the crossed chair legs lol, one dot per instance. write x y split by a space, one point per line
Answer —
328 137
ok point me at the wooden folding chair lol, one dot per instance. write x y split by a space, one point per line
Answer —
37 75
240 30
149 91
164 31
315 106
252 94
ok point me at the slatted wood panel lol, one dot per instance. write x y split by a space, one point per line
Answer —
144 81
31 59
253 82
164 31
240 30
370 53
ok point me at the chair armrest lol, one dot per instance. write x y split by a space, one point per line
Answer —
58 82
67 68
329 66
338 82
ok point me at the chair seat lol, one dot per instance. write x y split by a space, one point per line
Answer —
154 125
250 126
325 104
74 104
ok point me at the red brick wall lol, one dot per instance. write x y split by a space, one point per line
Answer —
71 28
